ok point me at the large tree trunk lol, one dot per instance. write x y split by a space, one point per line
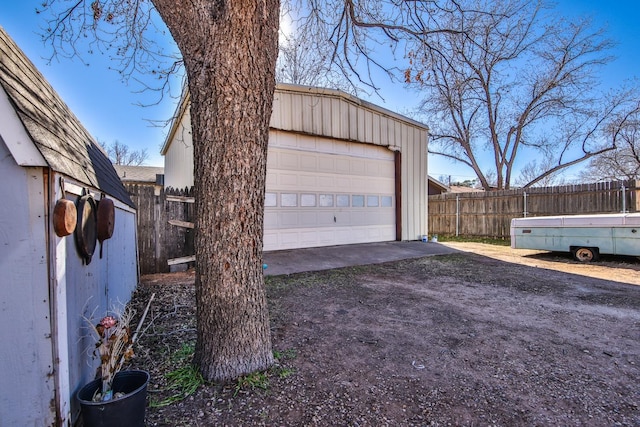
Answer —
230 50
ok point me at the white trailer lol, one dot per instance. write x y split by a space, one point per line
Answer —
585 236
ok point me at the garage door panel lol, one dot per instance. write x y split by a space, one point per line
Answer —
308 237
388 169
270 239
342 218
327 164
327 182
326 237
308 181
374 168
373 219
308 162
340 194
288 160
308 144
271 219
285 139
326 219
271 180
341 147
341 166
357 149
288 219
330 163
378 185
288 179
289 239
387 217
307 219
358 167
342 183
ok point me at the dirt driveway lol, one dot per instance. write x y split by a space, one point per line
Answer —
462 339
618 269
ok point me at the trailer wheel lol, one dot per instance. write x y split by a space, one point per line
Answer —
585 254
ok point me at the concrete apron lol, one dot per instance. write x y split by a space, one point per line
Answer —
326 258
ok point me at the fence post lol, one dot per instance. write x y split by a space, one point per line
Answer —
524 212
624 199
457 215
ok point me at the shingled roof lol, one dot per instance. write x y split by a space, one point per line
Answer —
64 143
133 174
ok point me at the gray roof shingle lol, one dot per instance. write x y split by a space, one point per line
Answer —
139 173
65 144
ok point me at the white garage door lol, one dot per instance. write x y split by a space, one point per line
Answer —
323 192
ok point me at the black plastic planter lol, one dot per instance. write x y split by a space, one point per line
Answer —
127 410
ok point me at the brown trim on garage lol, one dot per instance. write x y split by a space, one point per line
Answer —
398 183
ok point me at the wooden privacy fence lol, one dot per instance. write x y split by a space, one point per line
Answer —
489 214
163 230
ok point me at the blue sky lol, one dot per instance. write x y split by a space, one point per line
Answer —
108 108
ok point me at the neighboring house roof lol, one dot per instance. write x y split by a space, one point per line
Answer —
65 145
436 186
139 173
462 189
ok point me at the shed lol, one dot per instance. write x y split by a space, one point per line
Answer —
340 170
48 288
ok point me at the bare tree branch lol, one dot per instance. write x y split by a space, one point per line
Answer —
517 82
623 163
363 33
120 154
130 32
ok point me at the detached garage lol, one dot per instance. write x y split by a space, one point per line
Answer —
339 170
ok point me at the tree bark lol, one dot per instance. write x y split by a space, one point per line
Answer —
230 50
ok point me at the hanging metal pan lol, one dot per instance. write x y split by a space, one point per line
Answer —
106 220
64 217
86 229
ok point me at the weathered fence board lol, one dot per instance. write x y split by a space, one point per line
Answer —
158 240
184 224
489 213
181 260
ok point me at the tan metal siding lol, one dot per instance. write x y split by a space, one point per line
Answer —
414 182
178 159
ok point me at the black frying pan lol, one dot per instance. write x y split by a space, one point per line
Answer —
86 229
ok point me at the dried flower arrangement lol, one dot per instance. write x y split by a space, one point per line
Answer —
115 347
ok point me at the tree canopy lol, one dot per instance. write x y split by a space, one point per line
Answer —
121 154
517 82
623 163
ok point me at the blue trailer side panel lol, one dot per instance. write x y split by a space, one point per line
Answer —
616 234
